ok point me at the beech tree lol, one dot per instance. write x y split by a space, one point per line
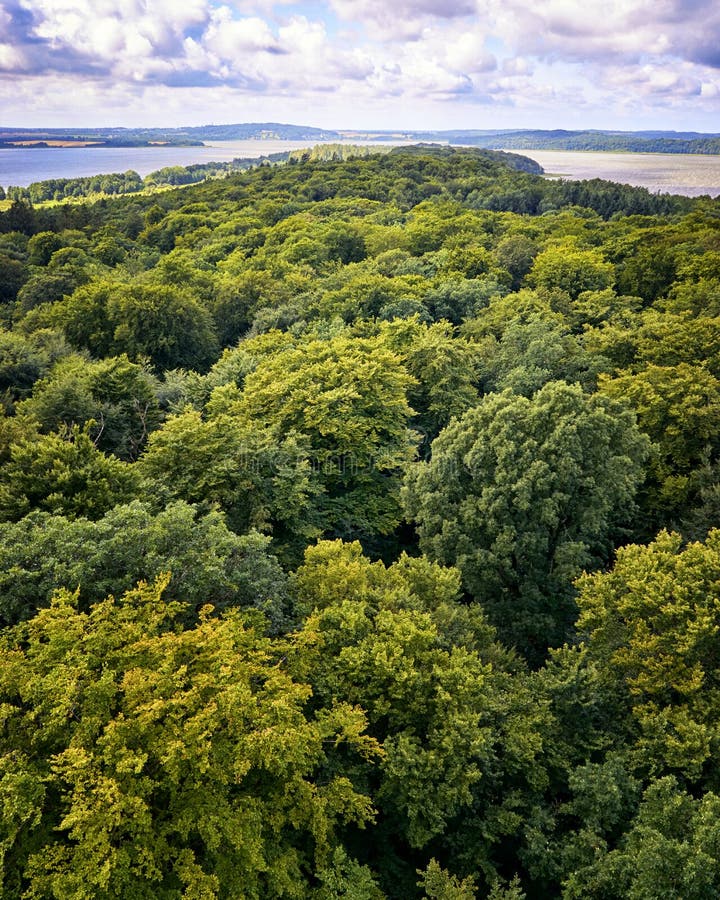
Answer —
43 553
459 725
679 408
347 398
142 761
117 395
62 473
651 625
521 495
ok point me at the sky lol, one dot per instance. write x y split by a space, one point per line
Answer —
368 64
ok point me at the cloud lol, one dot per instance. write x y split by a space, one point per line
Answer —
612 31
647 81
402 19
228 37
385 58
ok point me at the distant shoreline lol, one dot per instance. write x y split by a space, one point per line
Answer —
93 145
667 143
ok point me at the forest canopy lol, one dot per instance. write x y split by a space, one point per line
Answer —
358 537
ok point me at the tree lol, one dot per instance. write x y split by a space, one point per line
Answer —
516 253
444 368
118 395
13 274
141 319
62 473
523 494
530 354
572 270
41 247
43 553
47 286
456 718
259 478
22 362
647 271
140 761
651 625
162 323
347 397
670 850
678 407
440 885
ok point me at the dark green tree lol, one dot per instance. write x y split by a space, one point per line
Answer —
522 495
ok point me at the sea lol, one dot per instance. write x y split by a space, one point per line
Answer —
691 175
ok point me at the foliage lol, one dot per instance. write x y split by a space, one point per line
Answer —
208 564
258 478
143 761
678 407
347 397
62 473
224 386
118 396
454 727
571 270
651 627
670 851
523 494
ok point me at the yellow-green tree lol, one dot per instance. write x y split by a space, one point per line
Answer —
138 760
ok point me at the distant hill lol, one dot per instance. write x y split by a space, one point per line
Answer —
142 137
498 139
261 131
537 139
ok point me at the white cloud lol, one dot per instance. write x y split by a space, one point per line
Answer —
383 58
11 58
402 19
228 37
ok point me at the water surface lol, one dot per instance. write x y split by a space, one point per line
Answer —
671 173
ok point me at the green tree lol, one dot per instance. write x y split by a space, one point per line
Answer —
533 353
62 473
438 884
161 322
347 397
651 626
679 408
516 253
455 715
13 275
670 851
571 270
444 368
140 761
41 247
118 395
523 494
43 553
22 363
647 271
259 478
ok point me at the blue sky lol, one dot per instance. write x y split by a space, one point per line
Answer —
385 64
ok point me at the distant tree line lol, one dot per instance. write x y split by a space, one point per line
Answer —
594 140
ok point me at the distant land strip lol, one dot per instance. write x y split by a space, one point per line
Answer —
510 139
